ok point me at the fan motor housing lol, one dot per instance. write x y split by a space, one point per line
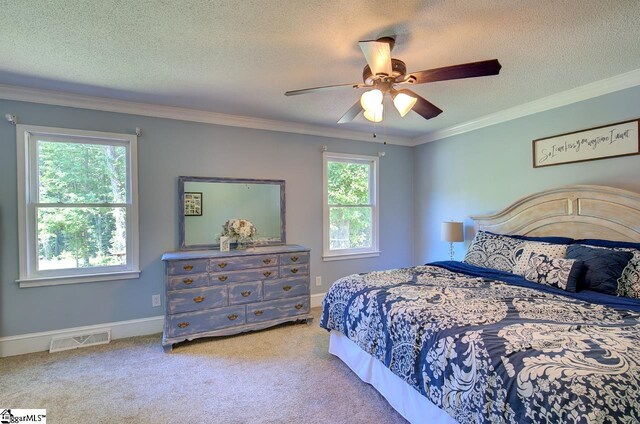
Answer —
398 69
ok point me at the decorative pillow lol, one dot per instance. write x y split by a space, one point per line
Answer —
602 267
554 272
547 239
494 251
629 281
553 251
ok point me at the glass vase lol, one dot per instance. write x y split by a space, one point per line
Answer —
241 244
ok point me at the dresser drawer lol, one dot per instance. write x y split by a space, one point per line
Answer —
269 273
275 309
291 270
203 321
242 262
288 287
188 281
194 266
245 292
196 299
294 258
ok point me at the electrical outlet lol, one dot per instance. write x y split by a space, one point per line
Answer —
318 280
155 300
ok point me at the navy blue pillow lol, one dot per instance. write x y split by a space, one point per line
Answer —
553 240
609 243
601 267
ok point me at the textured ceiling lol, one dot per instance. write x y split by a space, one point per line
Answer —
239 57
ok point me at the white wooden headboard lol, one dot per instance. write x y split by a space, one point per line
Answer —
583 211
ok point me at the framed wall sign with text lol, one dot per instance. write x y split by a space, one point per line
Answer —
614 140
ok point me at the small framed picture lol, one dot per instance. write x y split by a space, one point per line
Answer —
224 244
192 204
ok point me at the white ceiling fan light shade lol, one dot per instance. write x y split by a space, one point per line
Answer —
371 99
404 103
374 114
378 56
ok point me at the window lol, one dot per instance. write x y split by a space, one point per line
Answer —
350 214
78 206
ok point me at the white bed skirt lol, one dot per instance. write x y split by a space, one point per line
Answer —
403 398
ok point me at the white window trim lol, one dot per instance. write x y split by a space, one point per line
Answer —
27 239
343 254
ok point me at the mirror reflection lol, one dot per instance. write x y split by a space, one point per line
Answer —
207 203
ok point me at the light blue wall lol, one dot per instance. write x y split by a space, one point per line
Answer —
485 170
168 149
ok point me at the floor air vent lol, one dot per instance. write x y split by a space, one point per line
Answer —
81 340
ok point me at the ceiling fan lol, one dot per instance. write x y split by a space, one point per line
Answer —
386 75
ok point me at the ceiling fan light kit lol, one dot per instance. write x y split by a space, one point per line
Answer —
383 73
374 114
371 99
403 102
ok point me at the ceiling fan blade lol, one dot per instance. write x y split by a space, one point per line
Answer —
423 107
466 70
351 113
324 88
378 55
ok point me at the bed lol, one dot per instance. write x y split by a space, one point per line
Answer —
455 342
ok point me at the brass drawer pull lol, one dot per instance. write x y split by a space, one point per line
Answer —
232 317
266 273
246 293
198 299
183 324
222 264
294 259
223 278
266 261
187 281
298 306
286 288
294 270
187 267
258 313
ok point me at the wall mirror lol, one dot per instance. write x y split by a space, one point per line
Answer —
205 204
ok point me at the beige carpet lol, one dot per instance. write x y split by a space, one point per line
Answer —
280 375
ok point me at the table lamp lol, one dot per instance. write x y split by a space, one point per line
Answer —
452 232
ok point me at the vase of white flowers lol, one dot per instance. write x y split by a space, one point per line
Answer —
241 230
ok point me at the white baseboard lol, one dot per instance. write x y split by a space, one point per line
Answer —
316 299
38 342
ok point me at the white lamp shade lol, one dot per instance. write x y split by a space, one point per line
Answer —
452 232
375 114
371 99
404 103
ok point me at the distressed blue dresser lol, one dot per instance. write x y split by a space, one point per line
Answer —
213 293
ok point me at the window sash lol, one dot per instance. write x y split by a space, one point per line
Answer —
34 160
372 161
27 137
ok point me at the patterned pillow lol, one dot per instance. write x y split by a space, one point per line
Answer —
629 281
557 251
602 267
494 251
554 272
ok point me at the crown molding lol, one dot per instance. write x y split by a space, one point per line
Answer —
574 95
81 101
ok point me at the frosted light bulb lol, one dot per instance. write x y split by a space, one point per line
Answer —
371 99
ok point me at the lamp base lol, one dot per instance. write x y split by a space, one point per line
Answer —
451 252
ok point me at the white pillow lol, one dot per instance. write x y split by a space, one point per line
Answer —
552 251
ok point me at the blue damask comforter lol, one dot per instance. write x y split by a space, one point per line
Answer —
490 347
